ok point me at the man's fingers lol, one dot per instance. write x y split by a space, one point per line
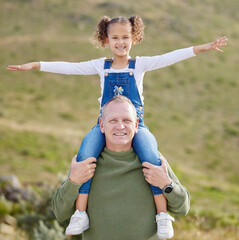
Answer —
91 166
146 164
90 160
145 170
163 163
87 161
149 165
74 159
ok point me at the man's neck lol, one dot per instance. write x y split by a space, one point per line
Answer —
119 148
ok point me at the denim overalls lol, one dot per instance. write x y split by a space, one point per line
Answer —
144 143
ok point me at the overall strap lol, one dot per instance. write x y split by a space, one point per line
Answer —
132 63
108 63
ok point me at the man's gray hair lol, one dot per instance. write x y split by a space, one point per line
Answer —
119 99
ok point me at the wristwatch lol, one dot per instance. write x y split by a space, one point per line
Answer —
168 188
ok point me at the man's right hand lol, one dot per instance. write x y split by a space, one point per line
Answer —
82 171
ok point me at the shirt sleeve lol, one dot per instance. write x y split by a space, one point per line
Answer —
82 68
164 60
178 201
63 201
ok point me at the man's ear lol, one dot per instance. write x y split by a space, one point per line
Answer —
136 125
101 125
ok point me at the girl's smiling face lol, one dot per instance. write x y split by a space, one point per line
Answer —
120 39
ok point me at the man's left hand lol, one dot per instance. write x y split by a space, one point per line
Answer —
156 175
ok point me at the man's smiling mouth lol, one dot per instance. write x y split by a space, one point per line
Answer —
119 134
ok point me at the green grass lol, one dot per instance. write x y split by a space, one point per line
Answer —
34 156
190 107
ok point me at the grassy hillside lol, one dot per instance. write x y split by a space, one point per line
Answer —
190 107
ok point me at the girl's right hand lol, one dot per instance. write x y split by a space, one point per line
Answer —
24 67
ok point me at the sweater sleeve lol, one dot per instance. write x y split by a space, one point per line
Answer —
164 60
82 68
63 201
179 199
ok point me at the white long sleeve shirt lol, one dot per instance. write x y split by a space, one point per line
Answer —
96 66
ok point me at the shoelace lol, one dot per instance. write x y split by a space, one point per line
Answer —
76 219
165 222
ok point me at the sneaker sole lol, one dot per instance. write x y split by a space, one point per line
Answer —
162 237
76 232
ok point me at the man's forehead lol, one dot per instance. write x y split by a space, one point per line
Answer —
119 104
119 109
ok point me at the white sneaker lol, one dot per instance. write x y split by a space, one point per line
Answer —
164 226
78 224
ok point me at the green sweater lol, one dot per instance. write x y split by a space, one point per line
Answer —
121 204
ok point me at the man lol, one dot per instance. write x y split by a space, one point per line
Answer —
121 204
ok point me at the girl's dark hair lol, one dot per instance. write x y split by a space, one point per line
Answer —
101 33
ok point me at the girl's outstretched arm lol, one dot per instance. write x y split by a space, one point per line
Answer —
24 67
220 42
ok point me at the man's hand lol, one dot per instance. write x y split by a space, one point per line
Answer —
156 175
81 172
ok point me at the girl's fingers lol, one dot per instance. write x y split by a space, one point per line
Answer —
14 68
218 49
220 42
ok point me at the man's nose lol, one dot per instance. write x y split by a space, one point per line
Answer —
120 125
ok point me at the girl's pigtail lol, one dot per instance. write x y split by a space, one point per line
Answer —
137 28
100 35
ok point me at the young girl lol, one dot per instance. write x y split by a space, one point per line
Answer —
121 75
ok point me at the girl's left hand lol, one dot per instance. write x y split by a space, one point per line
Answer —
220 42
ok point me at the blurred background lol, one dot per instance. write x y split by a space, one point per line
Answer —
190 107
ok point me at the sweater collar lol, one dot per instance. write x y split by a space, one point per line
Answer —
119 154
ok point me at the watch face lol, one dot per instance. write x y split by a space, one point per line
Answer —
168 189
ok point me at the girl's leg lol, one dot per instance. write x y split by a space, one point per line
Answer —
92 145
81 202
146 147
160 203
